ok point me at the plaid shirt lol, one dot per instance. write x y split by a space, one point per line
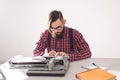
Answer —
80 49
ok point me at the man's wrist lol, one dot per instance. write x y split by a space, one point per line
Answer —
68 56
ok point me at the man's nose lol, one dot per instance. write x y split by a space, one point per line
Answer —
56 31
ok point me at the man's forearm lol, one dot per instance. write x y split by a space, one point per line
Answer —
79 56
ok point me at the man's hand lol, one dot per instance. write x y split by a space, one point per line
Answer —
52 53
53 34
62 54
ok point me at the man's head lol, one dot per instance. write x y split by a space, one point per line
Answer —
56 23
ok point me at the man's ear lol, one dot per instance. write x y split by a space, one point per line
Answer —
64 21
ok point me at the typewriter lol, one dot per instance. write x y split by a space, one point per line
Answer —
41 65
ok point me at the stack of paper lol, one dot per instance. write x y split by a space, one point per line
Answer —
2 77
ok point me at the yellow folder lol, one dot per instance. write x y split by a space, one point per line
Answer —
95 74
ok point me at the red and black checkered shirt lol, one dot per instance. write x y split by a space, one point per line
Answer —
80 47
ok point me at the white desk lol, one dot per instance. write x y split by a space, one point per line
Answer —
75 67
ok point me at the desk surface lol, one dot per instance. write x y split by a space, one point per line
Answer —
75 67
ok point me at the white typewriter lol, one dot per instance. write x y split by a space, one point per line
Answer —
41 66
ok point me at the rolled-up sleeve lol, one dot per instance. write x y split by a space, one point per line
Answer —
81 48
41 45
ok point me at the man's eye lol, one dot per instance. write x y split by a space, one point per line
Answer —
52 28
57 27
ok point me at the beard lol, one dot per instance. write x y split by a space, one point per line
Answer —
59 35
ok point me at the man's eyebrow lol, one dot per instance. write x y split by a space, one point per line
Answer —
56 27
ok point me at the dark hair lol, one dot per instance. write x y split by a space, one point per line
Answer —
53 16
